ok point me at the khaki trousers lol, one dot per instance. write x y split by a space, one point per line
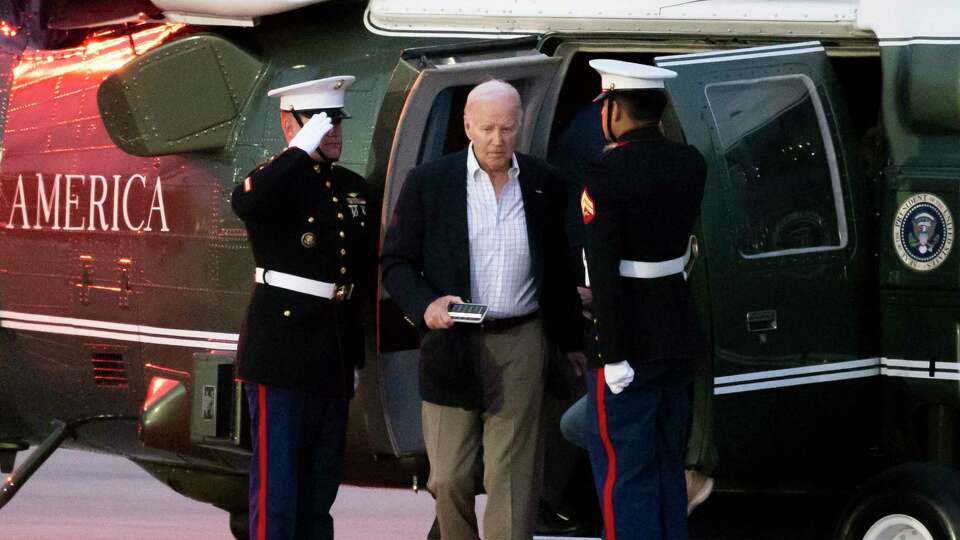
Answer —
511 369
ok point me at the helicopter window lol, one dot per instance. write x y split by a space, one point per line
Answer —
444 131
781 165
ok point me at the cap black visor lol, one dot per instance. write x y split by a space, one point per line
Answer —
333 114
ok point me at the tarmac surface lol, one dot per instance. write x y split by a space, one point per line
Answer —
86 496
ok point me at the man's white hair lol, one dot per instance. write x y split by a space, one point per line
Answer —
494 90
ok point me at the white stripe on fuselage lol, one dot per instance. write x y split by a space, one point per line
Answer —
836 371
796 381
118 326
735 57
775 373
766 48
727 384
918 41
118 331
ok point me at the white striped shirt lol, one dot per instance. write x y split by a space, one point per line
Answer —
500 271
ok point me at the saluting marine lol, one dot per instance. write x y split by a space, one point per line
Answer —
639 206
302 338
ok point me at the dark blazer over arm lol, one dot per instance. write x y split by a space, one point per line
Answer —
425 255
402 255
280 182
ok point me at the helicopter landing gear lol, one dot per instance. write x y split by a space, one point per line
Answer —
919 501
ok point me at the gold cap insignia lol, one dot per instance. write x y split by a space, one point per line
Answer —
338 85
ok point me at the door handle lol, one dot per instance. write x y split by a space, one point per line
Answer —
762 321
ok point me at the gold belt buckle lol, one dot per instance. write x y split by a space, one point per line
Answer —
343 292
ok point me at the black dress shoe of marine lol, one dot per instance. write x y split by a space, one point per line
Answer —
552 523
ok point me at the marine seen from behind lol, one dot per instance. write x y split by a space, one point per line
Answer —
639 206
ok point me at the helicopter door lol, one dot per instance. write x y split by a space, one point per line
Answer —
429 124
781 219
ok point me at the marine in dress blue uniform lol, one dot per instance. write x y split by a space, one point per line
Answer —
639 206
312 239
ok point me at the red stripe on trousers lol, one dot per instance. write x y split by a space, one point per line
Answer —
262 496
608 522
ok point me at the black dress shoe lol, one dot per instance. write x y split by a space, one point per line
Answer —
434 533
553 523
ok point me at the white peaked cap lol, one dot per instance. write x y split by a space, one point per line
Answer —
317 94
620 75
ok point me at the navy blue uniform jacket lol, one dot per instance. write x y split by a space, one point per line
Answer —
313 222
646 196
426 255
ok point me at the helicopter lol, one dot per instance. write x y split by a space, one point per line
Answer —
823 270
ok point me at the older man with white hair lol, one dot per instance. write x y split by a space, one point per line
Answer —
484 225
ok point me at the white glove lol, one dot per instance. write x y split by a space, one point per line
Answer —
311 134
618 376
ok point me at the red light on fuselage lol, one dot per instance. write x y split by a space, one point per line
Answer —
159 387
7 29
99 54
162 369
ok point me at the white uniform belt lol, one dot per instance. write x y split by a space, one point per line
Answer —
295 283
650 270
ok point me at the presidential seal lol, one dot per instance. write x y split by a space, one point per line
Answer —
923 232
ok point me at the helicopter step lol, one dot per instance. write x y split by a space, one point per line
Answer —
61 430
43 452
